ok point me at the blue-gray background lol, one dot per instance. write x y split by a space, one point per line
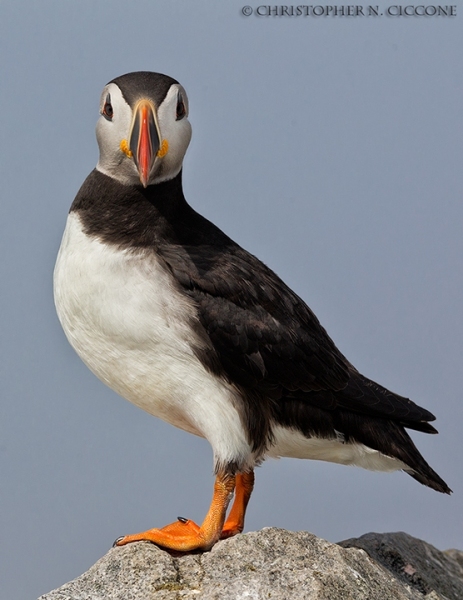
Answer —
332 149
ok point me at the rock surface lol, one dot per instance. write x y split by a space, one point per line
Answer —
276 564
415 563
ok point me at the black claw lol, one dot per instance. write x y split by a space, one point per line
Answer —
118 540
182 519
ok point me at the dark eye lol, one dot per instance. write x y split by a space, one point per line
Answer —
181 110
107 108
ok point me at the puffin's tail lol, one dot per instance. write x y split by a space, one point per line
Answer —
377 417
366 413
389 438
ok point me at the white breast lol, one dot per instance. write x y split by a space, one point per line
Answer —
123 316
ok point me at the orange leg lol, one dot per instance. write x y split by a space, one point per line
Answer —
184 535
243 490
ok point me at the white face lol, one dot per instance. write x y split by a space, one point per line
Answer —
114 129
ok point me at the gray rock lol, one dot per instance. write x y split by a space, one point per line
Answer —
415 562
278 565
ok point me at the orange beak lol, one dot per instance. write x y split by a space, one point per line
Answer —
144 139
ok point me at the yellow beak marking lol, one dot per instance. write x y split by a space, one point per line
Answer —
125 148
164 149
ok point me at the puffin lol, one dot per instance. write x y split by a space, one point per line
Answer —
177 318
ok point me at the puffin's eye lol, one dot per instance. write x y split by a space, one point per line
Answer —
181 110
107 108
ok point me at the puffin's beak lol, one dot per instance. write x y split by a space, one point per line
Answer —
144 139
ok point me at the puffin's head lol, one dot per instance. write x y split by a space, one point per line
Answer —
143 131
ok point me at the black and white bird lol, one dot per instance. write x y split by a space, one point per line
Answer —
176 317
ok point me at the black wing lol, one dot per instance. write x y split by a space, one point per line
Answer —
265 336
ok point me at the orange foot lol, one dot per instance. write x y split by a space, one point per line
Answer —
184 535
234 524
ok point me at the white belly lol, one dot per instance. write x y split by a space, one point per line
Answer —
123 316
292 444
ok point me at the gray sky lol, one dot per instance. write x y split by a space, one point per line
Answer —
329 147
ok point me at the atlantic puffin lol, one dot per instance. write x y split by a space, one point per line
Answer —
177 318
